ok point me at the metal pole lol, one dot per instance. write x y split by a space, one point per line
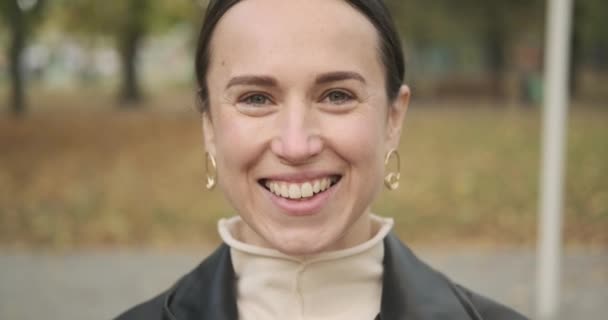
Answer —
557 54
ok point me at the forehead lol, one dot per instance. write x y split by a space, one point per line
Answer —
263 35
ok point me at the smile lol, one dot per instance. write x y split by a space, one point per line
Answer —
301 190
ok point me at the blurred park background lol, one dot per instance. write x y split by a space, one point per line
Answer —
101 146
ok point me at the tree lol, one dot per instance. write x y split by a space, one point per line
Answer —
20 16
129 40
490 24
589 39
575 46
128 23
500 22
124 22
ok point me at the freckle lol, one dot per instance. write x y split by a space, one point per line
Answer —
223 62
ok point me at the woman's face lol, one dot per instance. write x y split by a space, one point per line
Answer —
299 121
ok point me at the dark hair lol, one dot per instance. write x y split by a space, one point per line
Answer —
375 11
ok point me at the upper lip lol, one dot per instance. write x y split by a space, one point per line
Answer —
299 177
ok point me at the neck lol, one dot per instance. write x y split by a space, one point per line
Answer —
337 284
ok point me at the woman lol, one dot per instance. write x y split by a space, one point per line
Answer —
303 103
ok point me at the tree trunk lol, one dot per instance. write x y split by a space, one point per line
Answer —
130 91
18 34
130 39
575 50
494 47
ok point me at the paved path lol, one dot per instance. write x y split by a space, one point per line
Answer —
101 285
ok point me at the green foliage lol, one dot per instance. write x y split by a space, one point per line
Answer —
593 20
454 21
31 15
95 18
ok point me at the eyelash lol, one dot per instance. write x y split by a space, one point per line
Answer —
346 96
247 99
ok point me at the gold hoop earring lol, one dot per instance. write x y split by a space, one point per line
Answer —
391 180
211 178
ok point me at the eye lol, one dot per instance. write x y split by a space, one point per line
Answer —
338 97
255 104
256 99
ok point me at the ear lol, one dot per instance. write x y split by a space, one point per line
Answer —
208 133
396 115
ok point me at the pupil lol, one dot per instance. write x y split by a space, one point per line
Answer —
337 96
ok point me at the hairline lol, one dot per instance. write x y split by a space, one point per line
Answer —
383 48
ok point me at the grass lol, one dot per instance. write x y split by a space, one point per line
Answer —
75 174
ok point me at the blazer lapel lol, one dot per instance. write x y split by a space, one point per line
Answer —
207 293
413 290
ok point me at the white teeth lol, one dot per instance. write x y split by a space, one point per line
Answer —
306 190
294 191
299 190
316 186
274 187
324 184
284 191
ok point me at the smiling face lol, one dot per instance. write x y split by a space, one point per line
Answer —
299 121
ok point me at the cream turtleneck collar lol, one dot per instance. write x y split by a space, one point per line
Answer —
343 284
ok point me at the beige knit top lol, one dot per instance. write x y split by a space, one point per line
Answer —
344 284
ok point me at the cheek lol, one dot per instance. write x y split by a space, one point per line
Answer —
237 148
359 140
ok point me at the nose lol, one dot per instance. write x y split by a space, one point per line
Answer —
298 139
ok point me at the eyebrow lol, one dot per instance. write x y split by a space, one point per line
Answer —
264 81
338 76
268 81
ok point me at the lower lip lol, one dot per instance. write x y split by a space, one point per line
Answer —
303 207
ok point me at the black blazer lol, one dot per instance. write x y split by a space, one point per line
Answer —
411 290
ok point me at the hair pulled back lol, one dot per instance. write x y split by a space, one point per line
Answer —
375 11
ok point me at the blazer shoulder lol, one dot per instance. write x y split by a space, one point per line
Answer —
148 310
191 294
486 308
411 288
